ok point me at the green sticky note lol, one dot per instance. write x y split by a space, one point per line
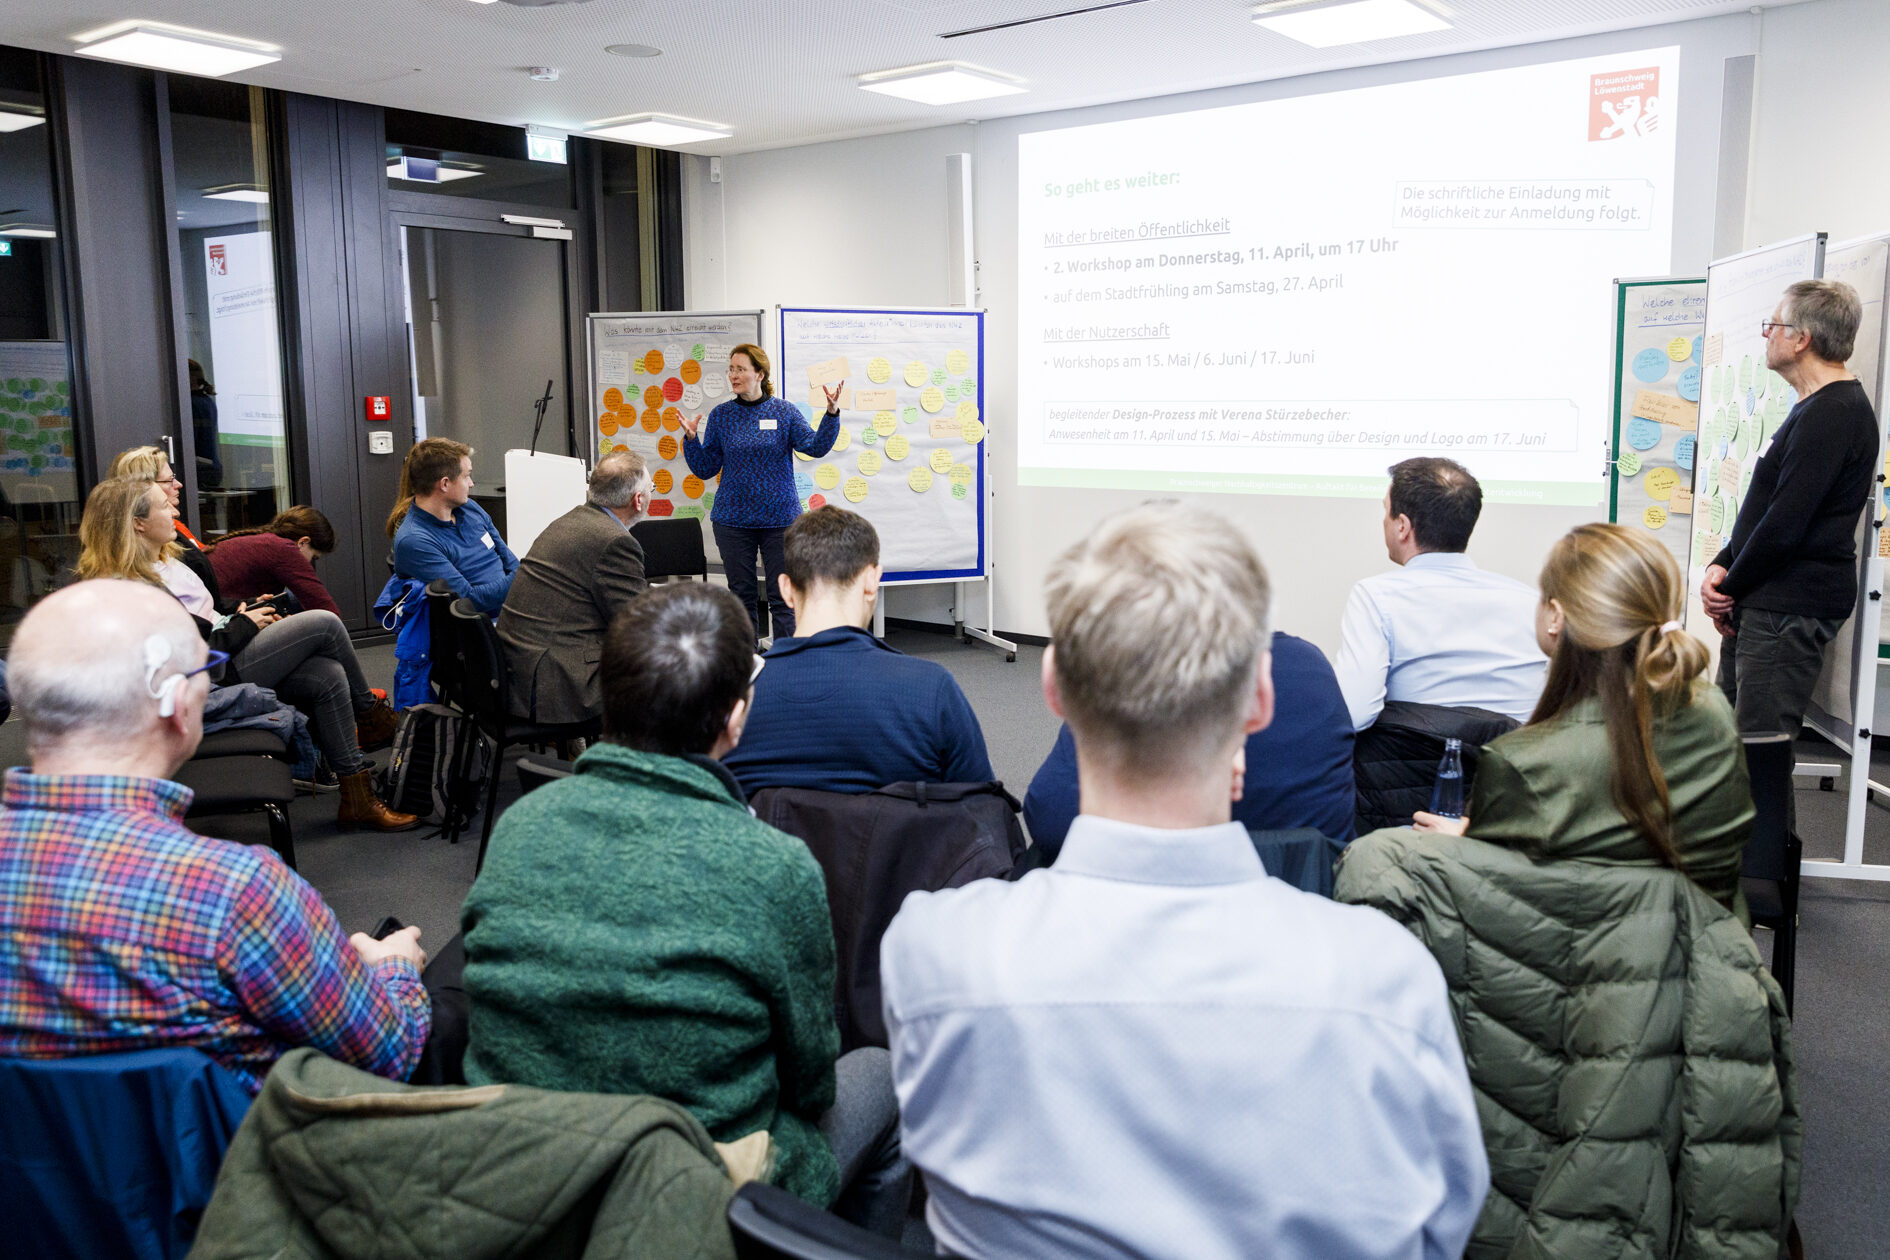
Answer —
910 415
708 501
938 376
696 352
1628 463
959 489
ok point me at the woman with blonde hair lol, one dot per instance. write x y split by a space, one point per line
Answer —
129 531
150 463
1631 1056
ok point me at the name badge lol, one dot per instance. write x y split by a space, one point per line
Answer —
1766 447
768 423
487 540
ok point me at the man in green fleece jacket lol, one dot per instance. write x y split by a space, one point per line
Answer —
635 930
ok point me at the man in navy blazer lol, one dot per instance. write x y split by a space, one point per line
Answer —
1299 769
835 708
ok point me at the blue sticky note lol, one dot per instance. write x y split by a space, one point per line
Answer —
803 483
1683 452
1643 435
1690 384
806 411
1752 401
1696 348
1650 365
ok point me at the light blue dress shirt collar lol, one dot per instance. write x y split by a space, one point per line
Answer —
614 518
1440 560
1104 848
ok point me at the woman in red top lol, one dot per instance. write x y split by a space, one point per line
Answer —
252 563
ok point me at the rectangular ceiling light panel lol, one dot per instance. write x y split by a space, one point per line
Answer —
658 131
942 83
18 120
1356 23
186 52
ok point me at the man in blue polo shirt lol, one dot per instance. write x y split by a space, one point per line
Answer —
439 532
836 709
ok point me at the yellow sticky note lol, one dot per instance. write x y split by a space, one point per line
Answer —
916 373
875 399
967 410
957 362
885 422
827 372
961 474
932 398
803 455
870 462
920 479
843 441
973 432
826 476
1654 517
879 371
1680 349
1660 483
856 489
941 460
897 446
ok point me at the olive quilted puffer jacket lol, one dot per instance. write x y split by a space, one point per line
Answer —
1631 1058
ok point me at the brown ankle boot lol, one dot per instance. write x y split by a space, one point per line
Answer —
361 808
375 727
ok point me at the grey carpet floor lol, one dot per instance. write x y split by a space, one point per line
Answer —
1841 1032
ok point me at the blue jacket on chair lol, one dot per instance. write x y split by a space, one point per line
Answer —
402 608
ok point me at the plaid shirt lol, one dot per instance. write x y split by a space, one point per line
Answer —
120 929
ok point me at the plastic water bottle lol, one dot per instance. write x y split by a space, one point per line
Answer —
1447 794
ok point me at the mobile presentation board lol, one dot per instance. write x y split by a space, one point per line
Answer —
647 369
1659 328
912 456
1742 402
539 488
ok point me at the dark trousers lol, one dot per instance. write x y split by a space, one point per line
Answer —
1770 664
738 547
443 1062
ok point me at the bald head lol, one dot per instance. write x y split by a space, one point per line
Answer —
87 660
618 478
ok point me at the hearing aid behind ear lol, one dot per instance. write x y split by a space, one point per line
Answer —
157 650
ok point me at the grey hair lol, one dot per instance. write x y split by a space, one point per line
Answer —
78 666
1158 620
1828 311
616 479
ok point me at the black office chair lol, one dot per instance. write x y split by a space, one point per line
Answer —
768 1223
442 660
534 771
485 688
244 784
671 548
1774 853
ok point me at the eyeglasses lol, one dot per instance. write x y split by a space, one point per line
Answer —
1766 327
213 660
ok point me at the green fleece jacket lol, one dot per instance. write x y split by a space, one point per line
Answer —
635 930
333 1163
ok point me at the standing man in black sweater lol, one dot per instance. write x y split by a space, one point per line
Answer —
1787 578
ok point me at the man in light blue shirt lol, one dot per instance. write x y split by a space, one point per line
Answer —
1437 629
1152 1048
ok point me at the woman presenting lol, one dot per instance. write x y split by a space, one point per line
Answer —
751 439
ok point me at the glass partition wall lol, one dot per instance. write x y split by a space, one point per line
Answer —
220 169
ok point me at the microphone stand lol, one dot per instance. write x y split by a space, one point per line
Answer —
539 407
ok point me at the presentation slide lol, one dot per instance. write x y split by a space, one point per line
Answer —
1287 296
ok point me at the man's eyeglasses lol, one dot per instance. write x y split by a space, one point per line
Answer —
1766 327
213 660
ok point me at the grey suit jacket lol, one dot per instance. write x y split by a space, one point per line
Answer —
579 573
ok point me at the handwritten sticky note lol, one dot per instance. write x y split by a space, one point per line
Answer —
827 371
878 371
690 371
932 398
875 399
960 489
1680 349
691 397
653 362
663 480
613 367
666 447
884 423
897 446
961 474
1661 483
692 486
946 425
920 479
870 463
855 489
957 362
1654 517
653 396
672 419
916 373
607 424
972 431
869 435
1627 463
1712 547
843 441
826 476
817 399
941 460
1729 475
652 420
1680 503
1666 409
1715 349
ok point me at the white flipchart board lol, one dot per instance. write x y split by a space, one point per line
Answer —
538 490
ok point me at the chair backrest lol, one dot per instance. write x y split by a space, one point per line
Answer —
1394 762
442 651
1301 856
483 680
535 771
671 548
768 1223
874 848
112 1154
1769 760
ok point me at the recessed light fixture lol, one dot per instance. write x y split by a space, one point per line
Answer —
421 170
174 48
658 131
940 83
238 192
37 231
633 50
14 118
1353 22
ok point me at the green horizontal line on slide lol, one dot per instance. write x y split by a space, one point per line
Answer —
245 439
1550 493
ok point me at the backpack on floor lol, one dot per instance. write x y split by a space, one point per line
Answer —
436 766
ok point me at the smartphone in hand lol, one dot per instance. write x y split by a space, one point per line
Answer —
386 928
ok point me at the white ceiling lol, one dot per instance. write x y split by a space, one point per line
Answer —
781 72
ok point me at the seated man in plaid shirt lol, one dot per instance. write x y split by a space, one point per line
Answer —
120 929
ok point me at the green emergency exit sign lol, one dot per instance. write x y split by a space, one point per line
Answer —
6 249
